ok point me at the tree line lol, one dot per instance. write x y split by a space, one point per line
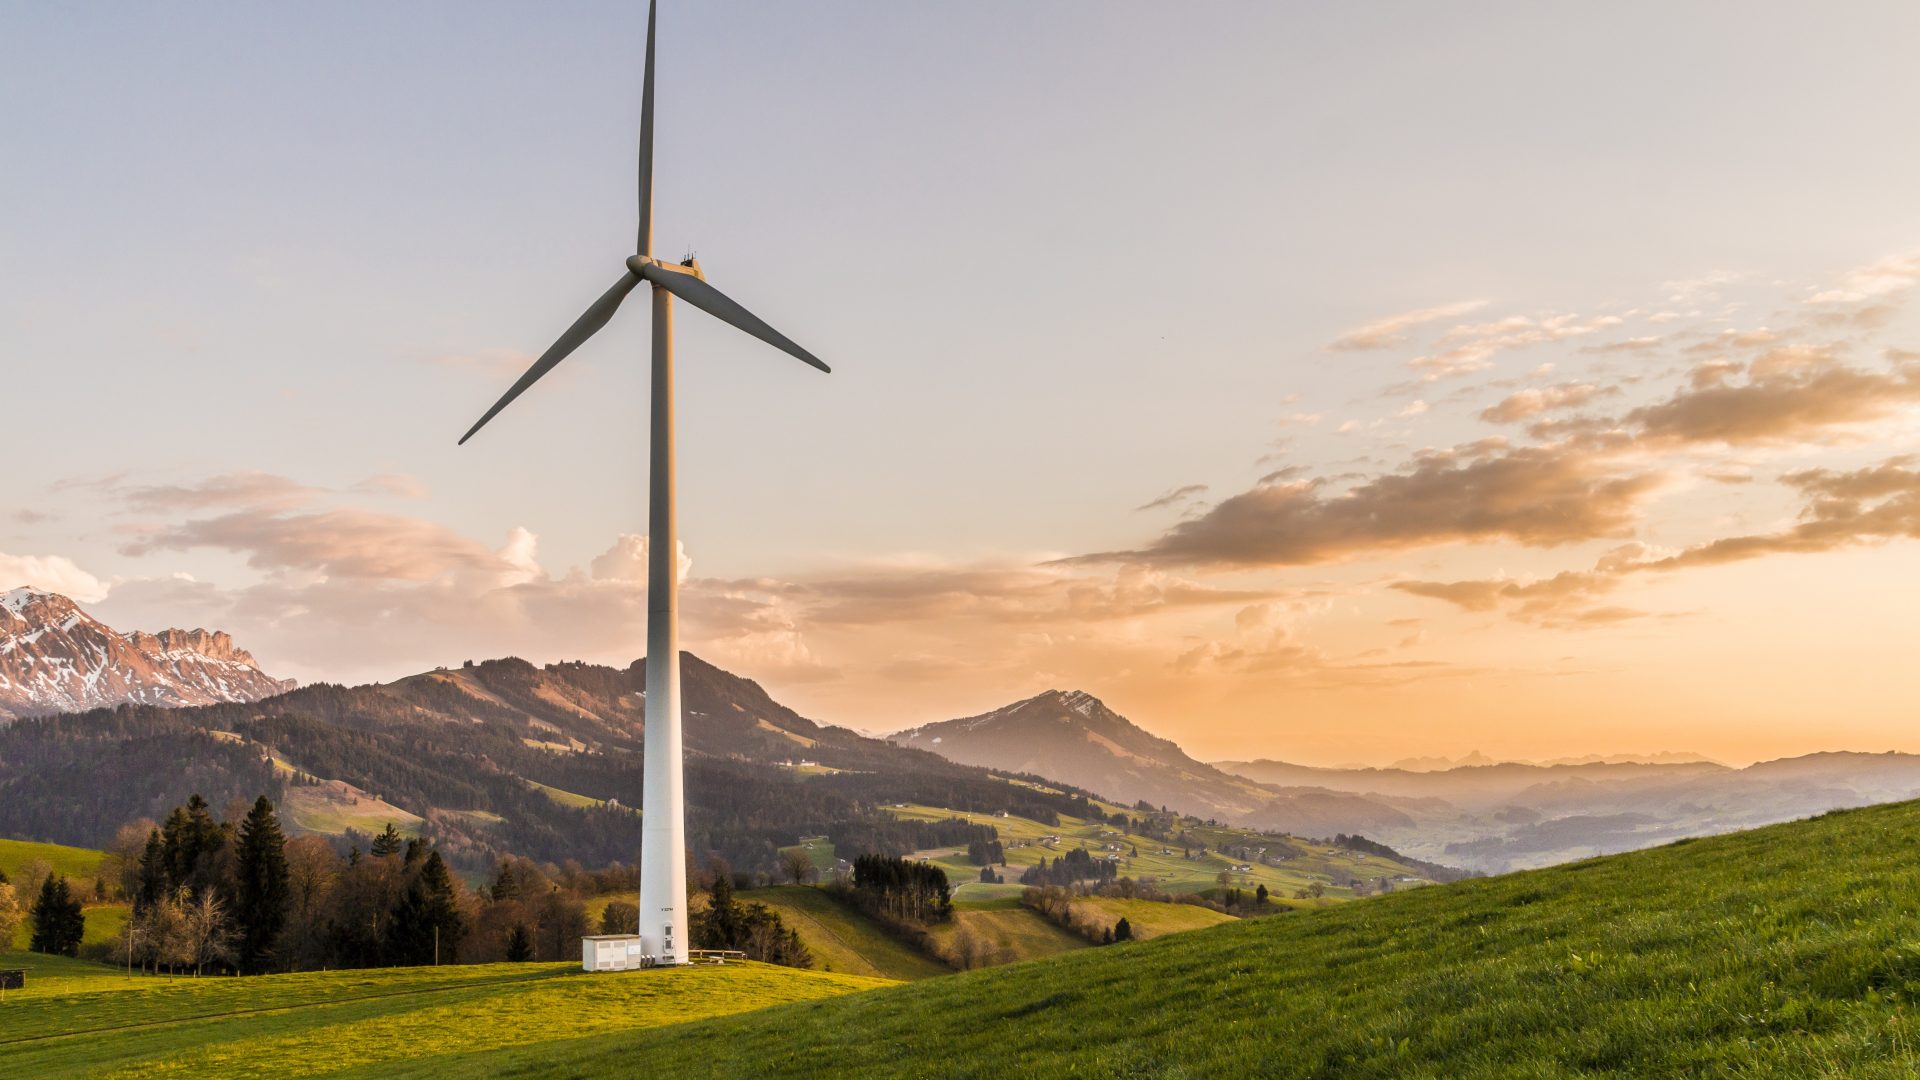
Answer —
1076 865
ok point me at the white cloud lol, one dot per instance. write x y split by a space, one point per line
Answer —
51 573
626 560
1889 275
1382 333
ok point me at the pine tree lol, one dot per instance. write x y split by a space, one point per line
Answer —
387 843
1260 895
519 945
58 921
426 919
43 917
1123 930
722 923
264 890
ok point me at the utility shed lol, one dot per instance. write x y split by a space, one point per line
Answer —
612 952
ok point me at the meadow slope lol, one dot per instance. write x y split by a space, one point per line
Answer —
1789 951
319 1023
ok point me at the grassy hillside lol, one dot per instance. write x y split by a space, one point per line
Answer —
1790 951
1004 933
74 862
1027 841
843 940
303 1025
80 864
1149 919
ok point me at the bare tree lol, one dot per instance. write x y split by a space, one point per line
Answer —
797 863
313 870
202 933
32 876
10 912
121 867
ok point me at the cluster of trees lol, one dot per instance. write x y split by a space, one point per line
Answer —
1067 909
211 894
1238 901
753 928
1075 865
208 892
986 852
894 836
58 921
914 892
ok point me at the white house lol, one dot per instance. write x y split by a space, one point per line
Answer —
612 952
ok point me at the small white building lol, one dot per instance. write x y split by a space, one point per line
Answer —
613 952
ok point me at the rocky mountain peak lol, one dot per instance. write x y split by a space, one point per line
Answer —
55 657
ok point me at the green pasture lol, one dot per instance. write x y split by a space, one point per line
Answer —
1786 952
325 1022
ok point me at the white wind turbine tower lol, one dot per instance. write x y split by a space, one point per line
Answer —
663 857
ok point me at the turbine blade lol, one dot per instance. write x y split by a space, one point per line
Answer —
687 284
646 144
583 328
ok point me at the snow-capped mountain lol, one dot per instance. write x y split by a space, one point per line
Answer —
56 658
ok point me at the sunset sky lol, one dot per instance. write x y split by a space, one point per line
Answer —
1306 381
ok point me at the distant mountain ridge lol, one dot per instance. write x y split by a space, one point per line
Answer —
1484 814
1512 815
498 756
1475 757
55 658
1074 738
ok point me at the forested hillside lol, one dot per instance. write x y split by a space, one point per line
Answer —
497 757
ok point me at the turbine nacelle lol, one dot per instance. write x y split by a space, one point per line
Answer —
639 263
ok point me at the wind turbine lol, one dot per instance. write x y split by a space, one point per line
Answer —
663 857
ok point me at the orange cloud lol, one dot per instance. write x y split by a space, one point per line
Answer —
1537 496
1392 330
1525 404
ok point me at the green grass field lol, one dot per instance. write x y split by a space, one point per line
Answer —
1025 845
843 940
1010 932
438 1021
1790 951
822 852
72 861
52 976
82 865
1150 919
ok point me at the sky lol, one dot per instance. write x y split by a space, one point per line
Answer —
1330 383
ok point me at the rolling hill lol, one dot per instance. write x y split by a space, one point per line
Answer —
1782 952
488 758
